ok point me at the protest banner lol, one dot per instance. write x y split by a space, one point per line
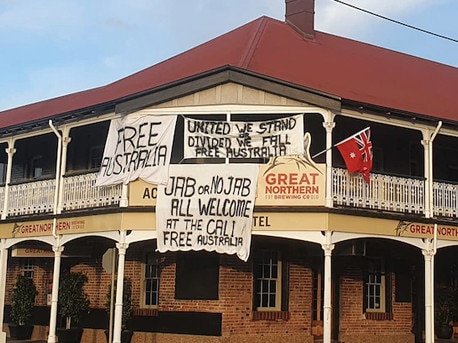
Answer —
137 147
207 208
263 139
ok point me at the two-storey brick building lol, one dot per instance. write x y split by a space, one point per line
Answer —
331 257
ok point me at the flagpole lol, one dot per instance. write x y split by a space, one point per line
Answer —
343 141
356 134
322 152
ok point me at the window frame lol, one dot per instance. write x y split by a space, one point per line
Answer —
278 281
27 268
144 297
36 167
94 161
375 286
317 294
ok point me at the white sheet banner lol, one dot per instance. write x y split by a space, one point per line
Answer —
137 147
207 208
278 137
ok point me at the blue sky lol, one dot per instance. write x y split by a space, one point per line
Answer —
50 48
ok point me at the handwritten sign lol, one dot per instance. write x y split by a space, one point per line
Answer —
207 208
218 139
137 147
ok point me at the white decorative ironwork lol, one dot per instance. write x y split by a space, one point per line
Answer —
445 199
385 192
79 192
31 197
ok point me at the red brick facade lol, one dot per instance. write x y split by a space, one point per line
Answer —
235 301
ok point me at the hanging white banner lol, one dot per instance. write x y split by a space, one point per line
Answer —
265 139
137 147
207 208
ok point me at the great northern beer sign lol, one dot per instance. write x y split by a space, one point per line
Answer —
291 181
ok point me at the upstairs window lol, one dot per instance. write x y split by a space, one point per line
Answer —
36 167
95 157
2 173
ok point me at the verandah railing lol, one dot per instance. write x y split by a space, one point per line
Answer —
31 197
79 192
386 192
445 197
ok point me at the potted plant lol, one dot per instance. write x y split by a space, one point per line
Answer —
73 303
445 308
22 303
127 310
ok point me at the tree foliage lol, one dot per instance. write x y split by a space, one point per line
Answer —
22 300
73 301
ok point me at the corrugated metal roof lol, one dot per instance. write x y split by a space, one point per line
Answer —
352 70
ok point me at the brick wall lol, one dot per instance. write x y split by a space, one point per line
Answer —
355 327
235 295
235 298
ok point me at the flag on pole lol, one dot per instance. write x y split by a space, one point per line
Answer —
357 153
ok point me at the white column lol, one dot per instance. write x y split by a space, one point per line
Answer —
122 247
427 204
55 292
3 269
10 151
63 167
327 313
329 125
124 201
428 254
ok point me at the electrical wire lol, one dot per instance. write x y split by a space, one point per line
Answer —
396 21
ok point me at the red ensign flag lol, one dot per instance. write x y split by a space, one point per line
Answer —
357 153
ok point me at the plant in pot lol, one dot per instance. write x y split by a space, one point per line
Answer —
445 307
73 303
127 310
22 299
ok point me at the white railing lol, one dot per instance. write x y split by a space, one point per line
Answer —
2 198
385 192
445 199
80 192
31 197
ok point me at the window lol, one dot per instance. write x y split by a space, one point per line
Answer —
27 269
151 281
2 173
317 294
36 167
267 273
197 276
375 287
95 156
